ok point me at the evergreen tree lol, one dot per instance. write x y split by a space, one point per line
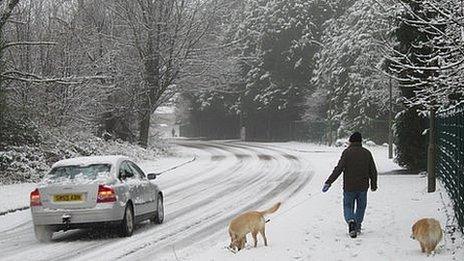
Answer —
412 42
280 40
349 69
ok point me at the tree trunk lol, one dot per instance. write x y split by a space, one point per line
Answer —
144 128
151 65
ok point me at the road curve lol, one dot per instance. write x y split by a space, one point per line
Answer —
201 197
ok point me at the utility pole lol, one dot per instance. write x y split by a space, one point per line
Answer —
390 121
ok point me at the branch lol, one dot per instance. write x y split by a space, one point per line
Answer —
11 44
6 12
32 78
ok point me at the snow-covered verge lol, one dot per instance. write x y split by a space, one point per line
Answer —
17 196
311 225
28 163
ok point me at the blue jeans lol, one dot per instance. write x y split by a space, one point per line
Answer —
349 200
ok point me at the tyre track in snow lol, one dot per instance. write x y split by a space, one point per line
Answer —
201 198
284 182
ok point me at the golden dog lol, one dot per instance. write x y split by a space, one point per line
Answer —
245 223
428 232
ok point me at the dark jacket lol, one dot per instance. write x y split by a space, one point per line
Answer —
358 169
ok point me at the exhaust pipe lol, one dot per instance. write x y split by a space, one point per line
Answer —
66 218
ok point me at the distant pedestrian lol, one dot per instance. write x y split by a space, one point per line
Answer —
358 167
173 131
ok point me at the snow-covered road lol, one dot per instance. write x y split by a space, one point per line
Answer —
201 197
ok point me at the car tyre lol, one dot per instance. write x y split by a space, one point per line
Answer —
43 233
159 213
127 224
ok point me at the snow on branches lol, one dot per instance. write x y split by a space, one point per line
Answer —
349 66
432 63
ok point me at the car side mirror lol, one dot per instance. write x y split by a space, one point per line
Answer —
152 176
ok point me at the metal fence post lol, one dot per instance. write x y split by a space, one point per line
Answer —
431 155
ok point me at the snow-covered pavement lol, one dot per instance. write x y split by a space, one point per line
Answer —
227 178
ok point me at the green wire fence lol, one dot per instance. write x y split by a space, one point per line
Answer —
450 156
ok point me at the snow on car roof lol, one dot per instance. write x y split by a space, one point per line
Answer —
82 161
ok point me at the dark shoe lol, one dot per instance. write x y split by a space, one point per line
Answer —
352 228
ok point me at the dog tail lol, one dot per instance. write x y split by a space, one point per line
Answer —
271 209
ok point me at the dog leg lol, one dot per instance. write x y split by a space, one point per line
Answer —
433 246
422 247
242 242
233 241
254 234
263 234
428 249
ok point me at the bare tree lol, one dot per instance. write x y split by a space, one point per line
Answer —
163 34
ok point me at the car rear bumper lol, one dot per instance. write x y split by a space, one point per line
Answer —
104 212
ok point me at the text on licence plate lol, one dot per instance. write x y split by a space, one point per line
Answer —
67 197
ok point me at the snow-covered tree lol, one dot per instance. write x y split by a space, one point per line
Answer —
349 66
103 66
432 63
280 39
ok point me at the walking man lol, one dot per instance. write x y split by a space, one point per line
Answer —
359 170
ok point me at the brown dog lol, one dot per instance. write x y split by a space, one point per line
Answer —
428 232
245 223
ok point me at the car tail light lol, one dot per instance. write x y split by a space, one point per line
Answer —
105 194
35 198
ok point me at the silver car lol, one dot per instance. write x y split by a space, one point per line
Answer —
93 191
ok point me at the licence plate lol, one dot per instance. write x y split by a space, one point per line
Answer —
67 197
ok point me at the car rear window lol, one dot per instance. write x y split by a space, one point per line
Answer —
78 173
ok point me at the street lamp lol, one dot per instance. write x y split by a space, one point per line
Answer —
390 121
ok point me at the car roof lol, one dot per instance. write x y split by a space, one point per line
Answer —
82 161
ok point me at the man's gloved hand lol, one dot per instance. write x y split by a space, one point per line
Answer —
325 187
373 188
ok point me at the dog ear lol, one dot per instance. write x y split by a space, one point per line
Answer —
413 230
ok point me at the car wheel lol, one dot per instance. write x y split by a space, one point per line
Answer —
43 233
159 214
127 224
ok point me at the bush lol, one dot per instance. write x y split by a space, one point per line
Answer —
19 131
411 149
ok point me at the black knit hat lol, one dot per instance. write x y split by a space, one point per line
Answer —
355 137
